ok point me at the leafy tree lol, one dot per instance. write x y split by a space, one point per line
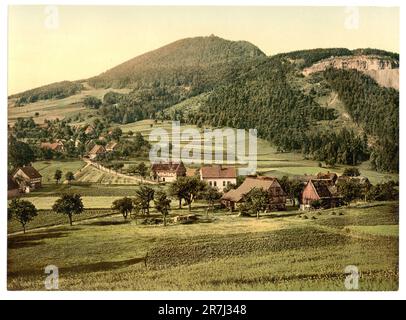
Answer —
69 204
350 190
176 190
92 102
293 188
191 187
162 204
386 191
144 196
69 176
124 206
351 172
19 153
211 195
116 133
141 169
255 201
58 175
21 210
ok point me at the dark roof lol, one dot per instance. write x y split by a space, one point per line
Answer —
324 188
167 166
30 171
327 175
11 183
218 172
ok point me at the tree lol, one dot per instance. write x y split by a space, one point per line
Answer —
351 172
124 206
92 102
19 153
190 188
350 190
69 176
142 170
162 204
176 190
255 201
144 196
69 204
21 210
293 188
211 195
116 133
58 175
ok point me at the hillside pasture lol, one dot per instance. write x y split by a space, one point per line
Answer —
221 252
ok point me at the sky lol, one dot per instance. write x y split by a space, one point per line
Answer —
54 43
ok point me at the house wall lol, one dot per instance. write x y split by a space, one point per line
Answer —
220 183
309 195
164 176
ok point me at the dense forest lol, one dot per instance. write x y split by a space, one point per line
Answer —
264 99
374 108
58 90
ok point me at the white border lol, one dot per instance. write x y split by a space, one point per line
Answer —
194 295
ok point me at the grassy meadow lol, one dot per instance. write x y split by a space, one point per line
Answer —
280 251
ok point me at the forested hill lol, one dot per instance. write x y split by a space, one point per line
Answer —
191 62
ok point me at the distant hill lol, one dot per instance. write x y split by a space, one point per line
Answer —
188 62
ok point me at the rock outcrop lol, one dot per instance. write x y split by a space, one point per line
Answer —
384 71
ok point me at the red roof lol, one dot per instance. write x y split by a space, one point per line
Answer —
218 172
97 149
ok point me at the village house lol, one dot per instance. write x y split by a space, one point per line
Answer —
322 190
327 176
168 172
28 178
89 129
13 189
54 146
218 176
96 151
111 146
277 196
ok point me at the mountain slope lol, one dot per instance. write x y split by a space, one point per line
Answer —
191 61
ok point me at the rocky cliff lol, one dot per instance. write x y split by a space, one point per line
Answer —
385 71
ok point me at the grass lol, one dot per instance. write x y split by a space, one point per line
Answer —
223 252
91 202
57 108
46 218
47 168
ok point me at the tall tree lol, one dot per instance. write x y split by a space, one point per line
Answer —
256 201
124 206
162 204
19 153
145 195
58 175
69 176
69 204
21 210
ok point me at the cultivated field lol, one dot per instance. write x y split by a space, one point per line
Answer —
222 252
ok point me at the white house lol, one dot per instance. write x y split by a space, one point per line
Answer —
219 177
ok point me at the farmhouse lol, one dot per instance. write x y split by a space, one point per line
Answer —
111 146
168 172
322 190
28 178
218 176
327 176
54 146
96 151
277 196
13 189
89 129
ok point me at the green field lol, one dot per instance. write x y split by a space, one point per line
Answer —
221 252
47 168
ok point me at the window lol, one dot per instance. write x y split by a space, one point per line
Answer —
163 179
215 183
210 183
224 183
